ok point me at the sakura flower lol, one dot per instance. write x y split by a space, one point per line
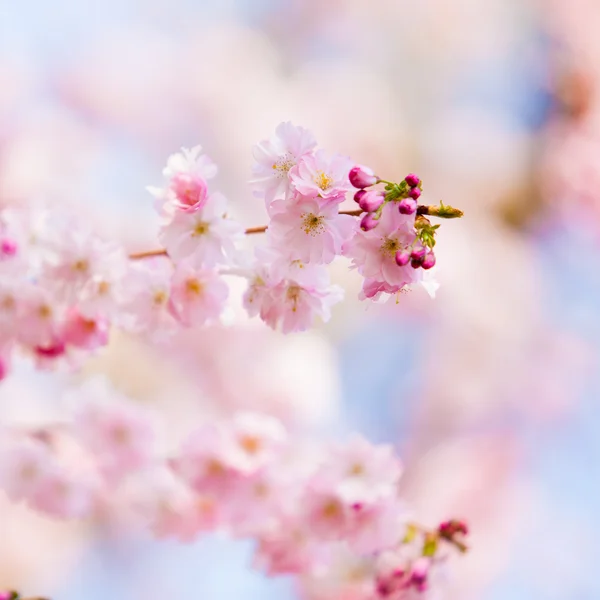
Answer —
361 472
252 441
203 464
146 309
169 507
25 463
288 548
319 175
83 332
197 295
206 236
64 495
310 231
275 157
373 252
294 304
119 434
187 173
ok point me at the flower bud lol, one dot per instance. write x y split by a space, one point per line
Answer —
412 180
429 261
359 195
8 247
371 201
415 263
418 253
415 193
402 257
362 177
407 206
368 222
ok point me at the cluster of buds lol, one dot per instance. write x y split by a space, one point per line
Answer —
419 253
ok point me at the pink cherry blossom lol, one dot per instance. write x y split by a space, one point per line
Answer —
187 172
206 236
83 332
310 231
146 309
121 435
197 295
294 304
276 156
361 472
320 175
373 252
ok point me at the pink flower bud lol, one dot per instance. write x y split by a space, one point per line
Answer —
419 572
415 263
407 206
412 180
54 350
8 247
359 195
368 222
429 261
362 177
415 193
418 253
402 258
190 191
371 201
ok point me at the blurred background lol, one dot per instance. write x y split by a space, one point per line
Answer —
490 392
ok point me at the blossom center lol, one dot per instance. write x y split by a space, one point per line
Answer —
312 225
323 180
283 164
357 469
331 509
390 246
292 294
81 265
193 286
160 297
201 228
250 443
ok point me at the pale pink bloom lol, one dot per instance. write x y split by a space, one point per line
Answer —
83 332
120 435
74 256
276 156
13 290
252 441
373 252
64 495
325 514
105 291
293 305
40 317
146 309
203 463
25 463
169 508
320 175
197 295
360 472
288 548
310 231
260 295
206 236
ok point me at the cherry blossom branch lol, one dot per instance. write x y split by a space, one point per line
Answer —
442 211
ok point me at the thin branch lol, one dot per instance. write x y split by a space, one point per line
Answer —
433 211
